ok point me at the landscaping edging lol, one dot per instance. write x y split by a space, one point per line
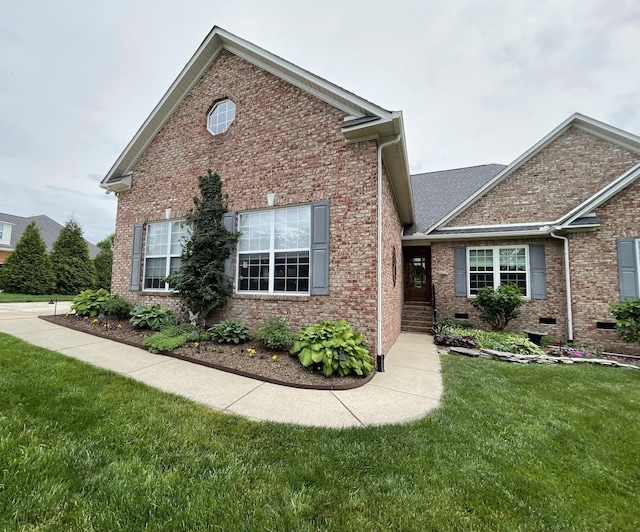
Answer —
98 331
536 359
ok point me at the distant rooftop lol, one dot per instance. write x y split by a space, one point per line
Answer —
436 194
49 230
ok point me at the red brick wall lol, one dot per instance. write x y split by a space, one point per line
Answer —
392 294
561 176
594 269
447 304
283 140
3 255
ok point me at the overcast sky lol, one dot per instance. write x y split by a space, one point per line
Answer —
478 81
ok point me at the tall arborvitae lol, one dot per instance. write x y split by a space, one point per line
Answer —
28 270
104 262
201 282
72 266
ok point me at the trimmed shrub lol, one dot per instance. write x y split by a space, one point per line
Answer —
103 262
498 307
229 332
28 269
627 315
333 347
73 268
275 334
118 307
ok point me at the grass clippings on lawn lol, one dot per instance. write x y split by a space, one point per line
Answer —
511 448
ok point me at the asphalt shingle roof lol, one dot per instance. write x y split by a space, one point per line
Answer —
436 194
49 230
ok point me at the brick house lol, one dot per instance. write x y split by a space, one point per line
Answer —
317 181
570 203
333 226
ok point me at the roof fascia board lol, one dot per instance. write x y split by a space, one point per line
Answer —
159 107
585 123
601 196
400 179
491 226
217 40
288 71
506 172
476 236
607 132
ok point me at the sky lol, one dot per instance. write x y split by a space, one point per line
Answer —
478 82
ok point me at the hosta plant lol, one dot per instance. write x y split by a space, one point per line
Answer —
229 332
152 317
91 303
333 347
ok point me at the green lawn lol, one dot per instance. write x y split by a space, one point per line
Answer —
26 298
513 447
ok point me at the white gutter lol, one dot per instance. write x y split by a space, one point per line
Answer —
567 280
379 268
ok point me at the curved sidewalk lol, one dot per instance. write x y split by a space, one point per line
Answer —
409 388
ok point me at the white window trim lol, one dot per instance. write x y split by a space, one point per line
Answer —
272 254
167 256
496 267
227 123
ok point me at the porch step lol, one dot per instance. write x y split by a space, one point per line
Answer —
417 317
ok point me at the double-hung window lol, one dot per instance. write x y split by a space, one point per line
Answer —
273 251
493 266
162 252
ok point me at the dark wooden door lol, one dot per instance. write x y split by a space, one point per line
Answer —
417 274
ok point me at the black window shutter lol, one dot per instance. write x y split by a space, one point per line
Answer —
538 271
460 258
229 222
136 258
320 248
627 268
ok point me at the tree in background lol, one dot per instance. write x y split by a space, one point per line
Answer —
201 282
28 269
103 262
73 268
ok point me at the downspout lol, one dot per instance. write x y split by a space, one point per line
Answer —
379 353
567 280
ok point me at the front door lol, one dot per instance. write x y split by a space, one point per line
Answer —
417 274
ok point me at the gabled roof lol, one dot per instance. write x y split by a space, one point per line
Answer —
589 125
365 120
436 194
49 231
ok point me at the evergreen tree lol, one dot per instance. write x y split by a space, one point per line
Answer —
201 282
72 266
103 262
28 269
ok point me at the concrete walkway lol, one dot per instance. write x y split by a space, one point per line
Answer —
409 388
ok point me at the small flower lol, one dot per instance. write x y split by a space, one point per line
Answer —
119 325
66 315
94 320
196 344
274 357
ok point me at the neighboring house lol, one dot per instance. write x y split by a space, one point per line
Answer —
317 181
562 222
12 227
332 225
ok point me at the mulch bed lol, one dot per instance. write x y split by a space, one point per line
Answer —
285 369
